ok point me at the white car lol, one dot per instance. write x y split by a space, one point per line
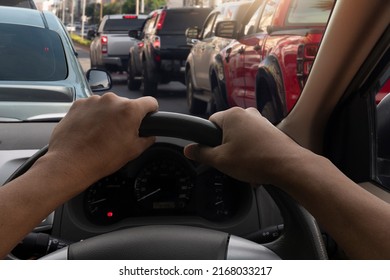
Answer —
70 28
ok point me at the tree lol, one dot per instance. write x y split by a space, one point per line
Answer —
92 11
112 8
151 5
129 7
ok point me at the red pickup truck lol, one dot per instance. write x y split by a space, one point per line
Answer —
267 64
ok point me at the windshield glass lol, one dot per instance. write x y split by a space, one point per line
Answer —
22 46
310 11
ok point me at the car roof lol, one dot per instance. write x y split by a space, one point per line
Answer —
19 3
233 10
232 4
22 16
178 9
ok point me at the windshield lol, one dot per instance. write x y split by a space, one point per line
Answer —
21 47
310 11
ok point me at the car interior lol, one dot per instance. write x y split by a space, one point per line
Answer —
163 206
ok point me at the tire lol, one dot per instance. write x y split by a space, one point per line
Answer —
268 102
150 84
218 101
132 84
93 65
195 106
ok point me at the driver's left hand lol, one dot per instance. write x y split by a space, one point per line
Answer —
100 134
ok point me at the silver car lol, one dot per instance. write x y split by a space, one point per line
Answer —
39 71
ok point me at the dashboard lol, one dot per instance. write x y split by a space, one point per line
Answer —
160 187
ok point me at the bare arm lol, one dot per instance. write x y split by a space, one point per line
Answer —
261 153
97 137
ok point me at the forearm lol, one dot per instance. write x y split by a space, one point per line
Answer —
27 200
323 190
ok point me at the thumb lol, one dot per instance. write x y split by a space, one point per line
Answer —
199 153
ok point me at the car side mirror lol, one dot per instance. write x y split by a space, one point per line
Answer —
192 33
226 29
99 80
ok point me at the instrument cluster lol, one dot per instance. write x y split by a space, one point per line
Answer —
162 182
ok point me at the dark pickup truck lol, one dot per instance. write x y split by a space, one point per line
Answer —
161 54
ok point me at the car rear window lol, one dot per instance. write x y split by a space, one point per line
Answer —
178 21
310 11
31 54
19 3
123 24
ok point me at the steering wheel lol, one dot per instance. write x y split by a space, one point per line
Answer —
300 239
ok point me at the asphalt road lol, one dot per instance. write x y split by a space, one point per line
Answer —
171 97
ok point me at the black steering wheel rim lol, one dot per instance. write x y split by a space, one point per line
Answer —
300 239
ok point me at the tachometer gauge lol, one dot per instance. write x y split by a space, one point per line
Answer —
163 187
104 200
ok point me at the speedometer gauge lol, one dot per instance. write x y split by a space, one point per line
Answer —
163 186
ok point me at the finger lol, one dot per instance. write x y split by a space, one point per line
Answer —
253 111
143 105
141 145
147 104
218 117
199 153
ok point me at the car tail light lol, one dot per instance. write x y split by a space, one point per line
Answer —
104 41
130 17
156 46
305 59
311 51
161 20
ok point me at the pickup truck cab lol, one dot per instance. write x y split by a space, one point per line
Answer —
200 73
161 55
267 65
109 49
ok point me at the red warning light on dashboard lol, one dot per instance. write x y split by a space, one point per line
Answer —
110 214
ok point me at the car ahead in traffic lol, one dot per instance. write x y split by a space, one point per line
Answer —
40 75
268 61
70 27
29 4
200 73
161 56
110 46
210 215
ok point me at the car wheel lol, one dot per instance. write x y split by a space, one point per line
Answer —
150 84
300 238
268 102
92 62
219 104
195 106
132 83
